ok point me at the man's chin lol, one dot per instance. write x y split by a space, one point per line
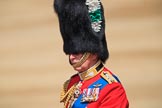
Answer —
72 63
78 69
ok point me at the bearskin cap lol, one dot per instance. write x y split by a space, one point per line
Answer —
82 26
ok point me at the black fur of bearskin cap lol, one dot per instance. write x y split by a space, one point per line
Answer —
77 33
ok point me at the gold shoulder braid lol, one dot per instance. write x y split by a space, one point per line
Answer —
108 77
63 91
69 96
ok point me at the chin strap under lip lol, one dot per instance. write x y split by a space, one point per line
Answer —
82 60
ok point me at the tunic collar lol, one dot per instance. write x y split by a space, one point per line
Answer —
91 72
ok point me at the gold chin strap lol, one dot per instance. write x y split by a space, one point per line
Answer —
82 60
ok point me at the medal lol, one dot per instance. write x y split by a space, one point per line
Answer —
91 94
77 90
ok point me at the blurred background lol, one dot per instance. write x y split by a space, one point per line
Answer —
33 65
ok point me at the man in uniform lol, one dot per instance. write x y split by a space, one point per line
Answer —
82 27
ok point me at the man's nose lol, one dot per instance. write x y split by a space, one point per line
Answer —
72 56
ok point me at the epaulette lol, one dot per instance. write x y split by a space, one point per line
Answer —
109 77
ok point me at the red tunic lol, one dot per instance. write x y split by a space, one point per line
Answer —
110 92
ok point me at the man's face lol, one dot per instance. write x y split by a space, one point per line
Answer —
90 61
75 58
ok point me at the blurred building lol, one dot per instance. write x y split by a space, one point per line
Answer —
33 66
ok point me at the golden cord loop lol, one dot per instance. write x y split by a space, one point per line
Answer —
82 60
